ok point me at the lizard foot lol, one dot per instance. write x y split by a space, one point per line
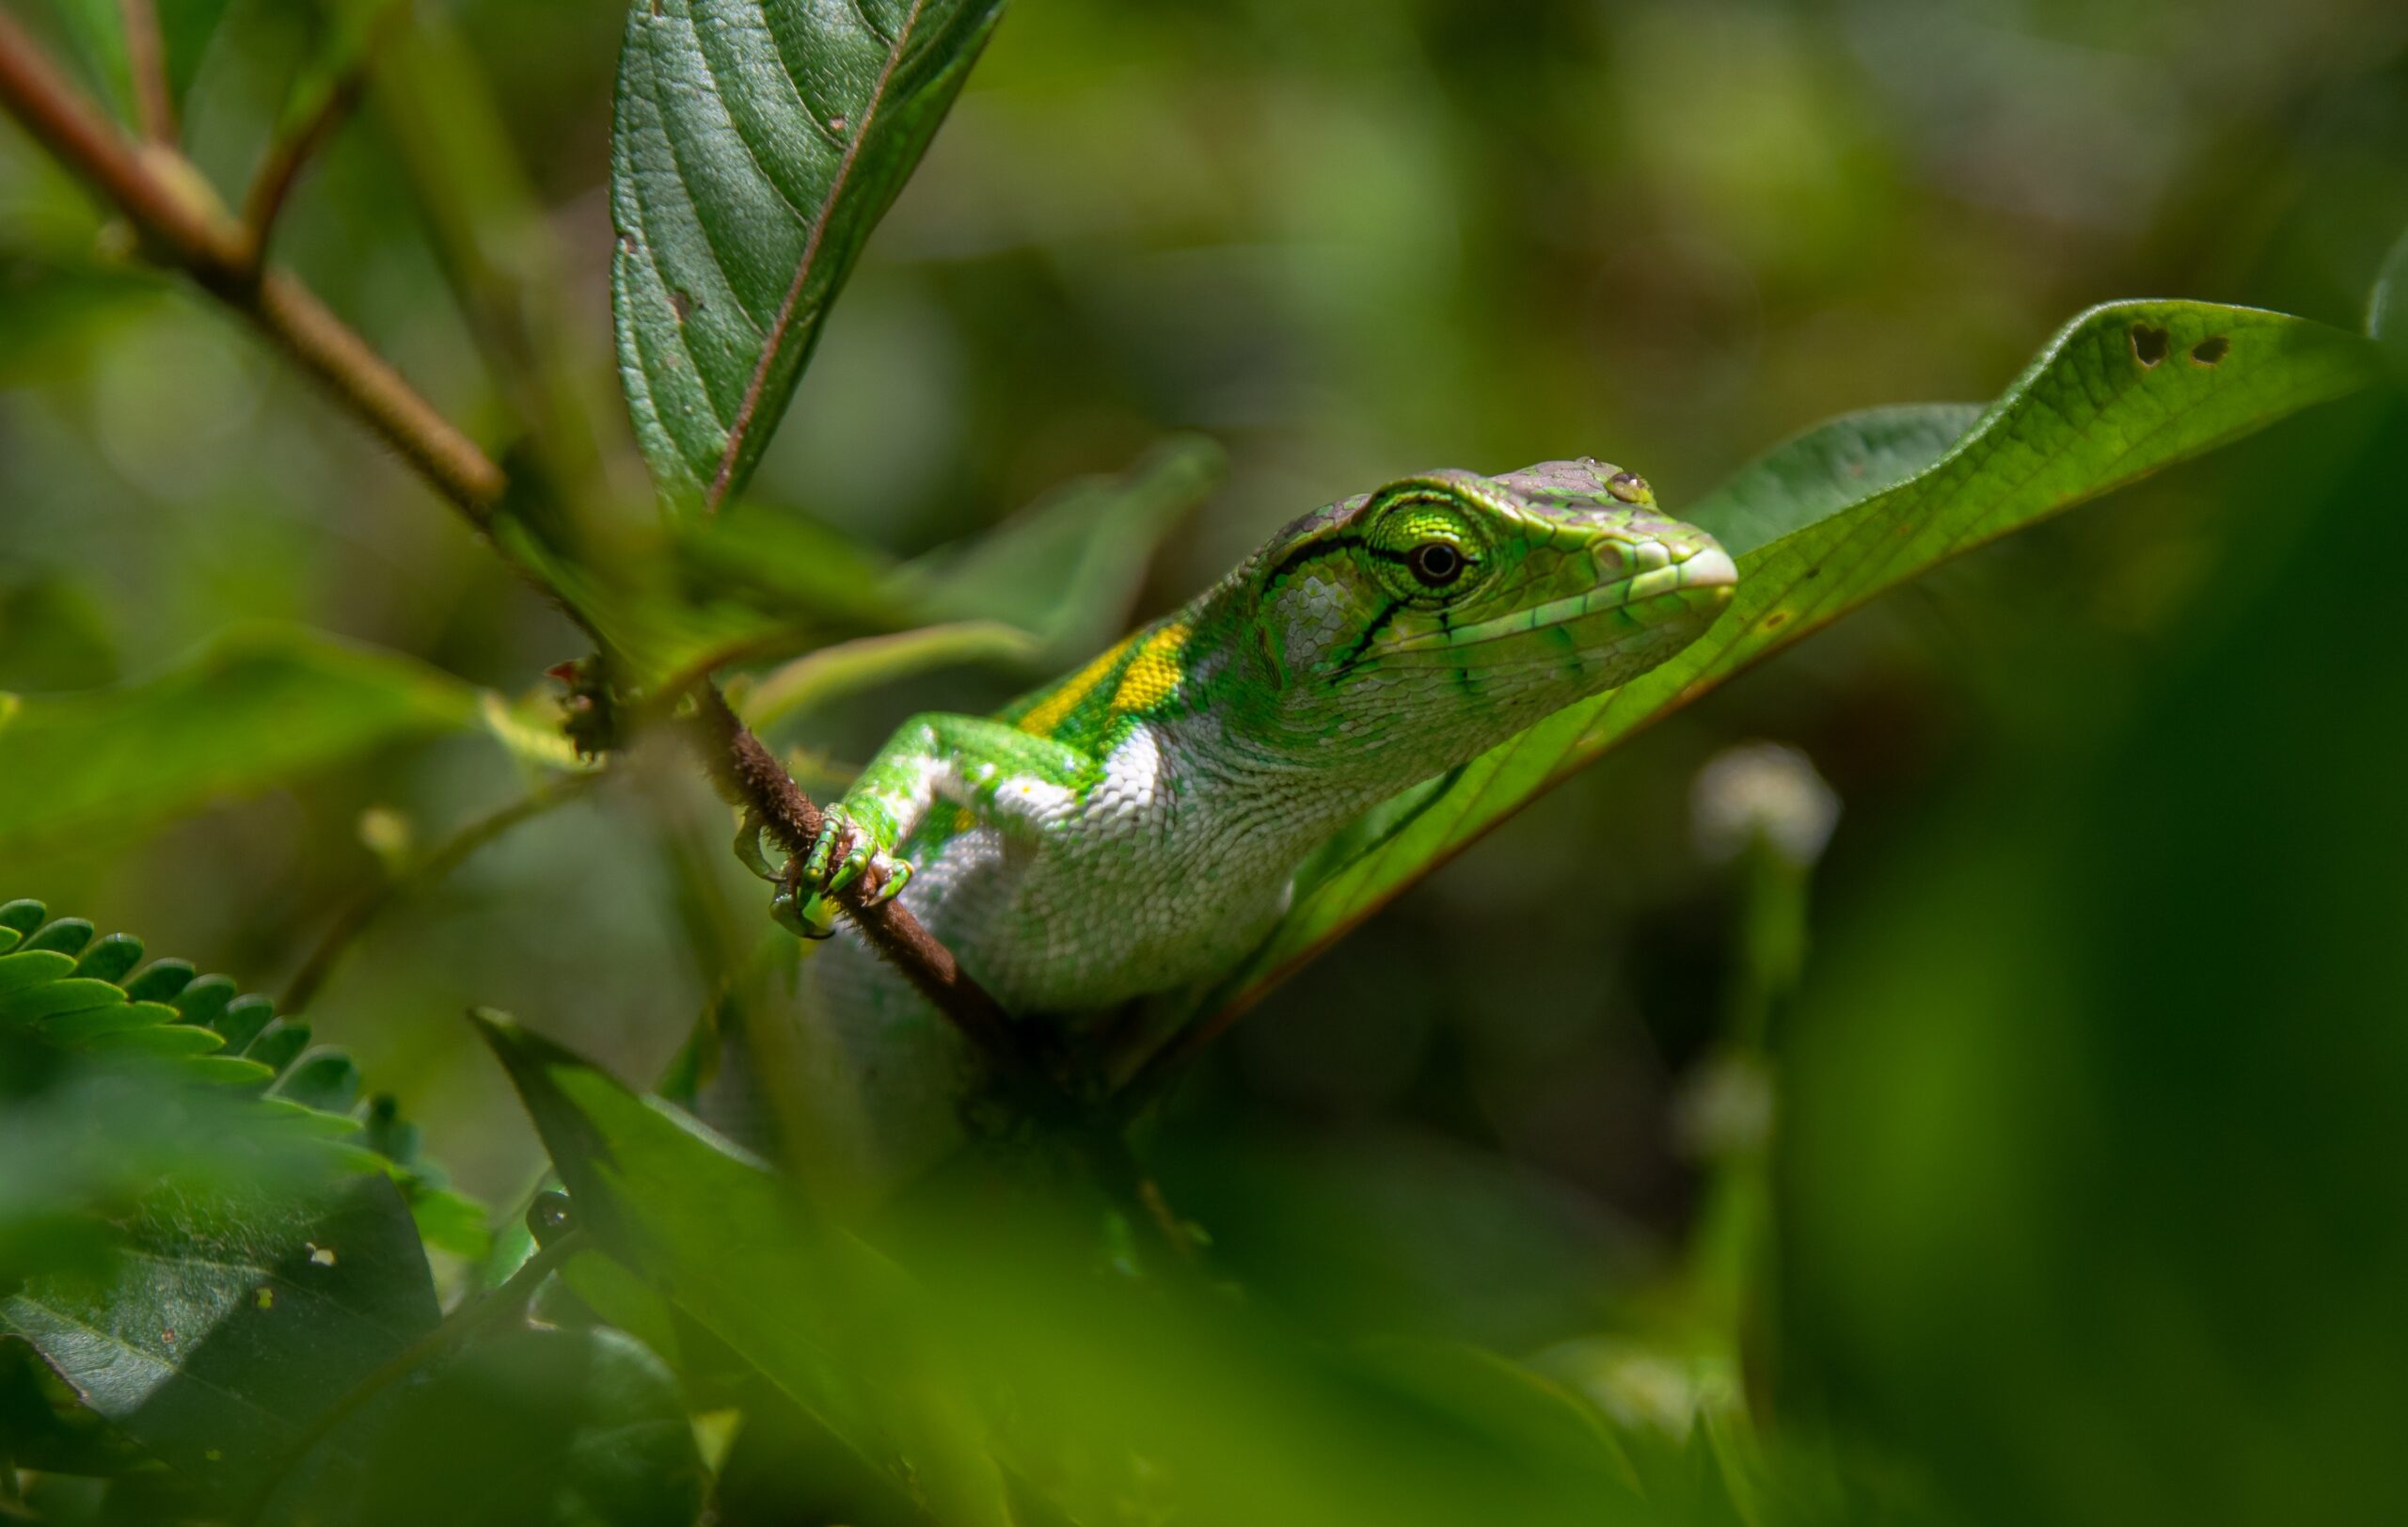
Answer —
845 852
803 914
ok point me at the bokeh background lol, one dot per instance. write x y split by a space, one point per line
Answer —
2085 1123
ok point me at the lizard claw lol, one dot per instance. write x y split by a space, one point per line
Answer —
898 874
804 915
747 849
835 827
845 850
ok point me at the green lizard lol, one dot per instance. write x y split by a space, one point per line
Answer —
1133 827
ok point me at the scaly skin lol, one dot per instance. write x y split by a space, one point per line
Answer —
1132 827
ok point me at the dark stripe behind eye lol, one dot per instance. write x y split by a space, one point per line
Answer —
1302 554
1363 644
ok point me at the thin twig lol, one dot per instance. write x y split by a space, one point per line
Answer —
289 153
840 667
290 315
751 776
79 137
146 58
432 865
184 229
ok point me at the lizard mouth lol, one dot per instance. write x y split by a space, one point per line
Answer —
1703 581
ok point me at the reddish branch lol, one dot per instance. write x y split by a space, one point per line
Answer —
146 58
280 167
749 775
182 227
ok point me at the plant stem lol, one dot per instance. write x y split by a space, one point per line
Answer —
184 228
749 775
279 168
301 325
146 58
78 136
433 865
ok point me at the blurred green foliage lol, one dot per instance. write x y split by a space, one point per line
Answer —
2064 1182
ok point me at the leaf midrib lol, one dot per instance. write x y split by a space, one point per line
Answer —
740 430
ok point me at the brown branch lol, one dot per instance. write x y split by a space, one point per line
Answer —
184 228
289 314
146 58
76 135
289 153
749 775
181 227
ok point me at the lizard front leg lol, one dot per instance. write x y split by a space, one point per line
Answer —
1010 775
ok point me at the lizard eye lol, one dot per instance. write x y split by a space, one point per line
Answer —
1436 563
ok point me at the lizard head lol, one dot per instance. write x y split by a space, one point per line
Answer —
1436 615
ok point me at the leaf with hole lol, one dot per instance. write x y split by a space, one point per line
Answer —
2121 392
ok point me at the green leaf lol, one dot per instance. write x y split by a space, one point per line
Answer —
1114 1398
28 969
850 667
1068 568
226 1327
111 958
116 1029
757 144
54 999
163 1040
67 935
186 28
2122 390
98 30
1821 471
1065 570
826 1318
2387 307
259 706
580 1428
72 1028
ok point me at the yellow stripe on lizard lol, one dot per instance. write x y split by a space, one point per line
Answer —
1050 712
1154 675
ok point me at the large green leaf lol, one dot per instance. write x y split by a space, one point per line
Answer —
258 707
1010 1345
227 1324
120 1077
1821 471
534 1428
757 144
2122 390
826 1318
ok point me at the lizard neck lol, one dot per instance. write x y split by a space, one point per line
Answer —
1281 770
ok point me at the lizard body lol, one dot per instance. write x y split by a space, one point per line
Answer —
1133 827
